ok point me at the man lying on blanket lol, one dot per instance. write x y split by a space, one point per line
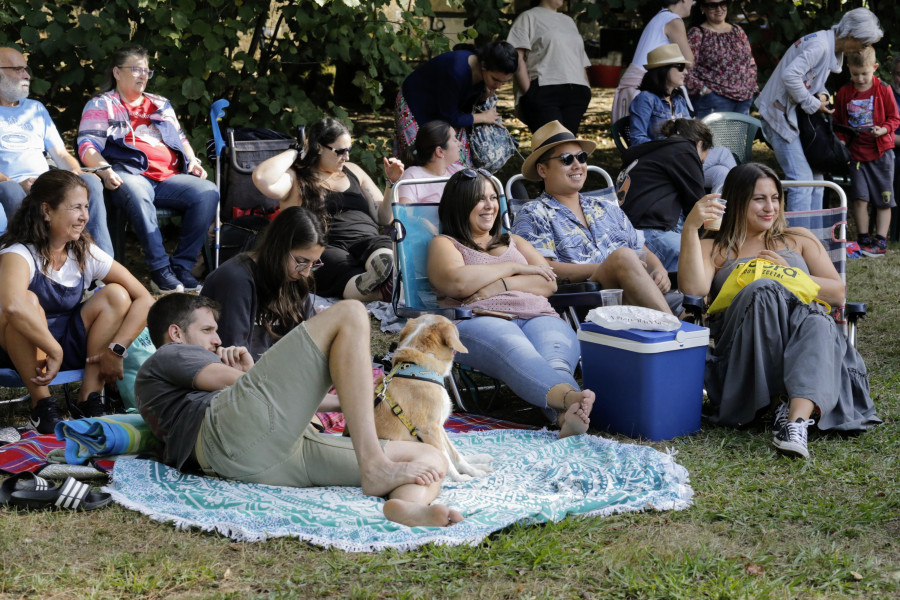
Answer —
213 408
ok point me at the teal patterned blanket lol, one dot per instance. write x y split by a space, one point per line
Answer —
537 479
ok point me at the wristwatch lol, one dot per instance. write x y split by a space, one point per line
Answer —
118 349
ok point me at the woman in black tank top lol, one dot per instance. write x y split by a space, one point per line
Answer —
358 258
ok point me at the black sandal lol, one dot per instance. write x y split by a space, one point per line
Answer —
71 495
23 482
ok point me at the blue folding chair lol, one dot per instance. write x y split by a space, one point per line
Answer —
9 378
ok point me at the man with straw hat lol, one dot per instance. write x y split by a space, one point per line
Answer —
583 237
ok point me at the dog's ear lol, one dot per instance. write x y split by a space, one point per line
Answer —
451 337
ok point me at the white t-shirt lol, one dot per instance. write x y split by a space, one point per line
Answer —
426 192
556 53
26 130
653 36
97 264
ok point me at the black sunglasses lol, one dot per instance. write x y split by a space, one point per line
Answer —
567 158
715 5
338 151
680 67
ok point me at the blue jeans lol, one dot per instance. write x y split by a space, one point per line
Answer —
12 194
712 102
666 245
529 355
194 198
793 162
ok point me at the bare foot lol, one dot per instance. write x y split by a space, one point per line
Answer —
577 417
384 476
414 514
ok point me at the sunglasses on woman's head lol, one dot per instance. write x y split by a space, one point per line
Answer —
339 151
473 173
566 158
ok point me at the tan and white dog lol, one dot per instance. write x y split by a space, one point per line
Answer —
415 387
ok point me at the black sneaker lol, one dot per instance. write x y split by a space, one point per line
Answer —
45 415
781 415
874 248
188 280
163 281
92 407
791 438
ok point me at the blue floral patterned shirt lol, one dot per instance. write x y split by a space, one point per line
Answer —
558 235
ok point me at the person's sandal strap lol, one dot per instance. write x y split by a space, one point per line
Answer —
25 481
72 494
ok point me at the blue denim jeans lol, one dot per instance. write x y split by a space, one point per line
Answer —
712 102
793 162
666 245
12 194
194 198
529 355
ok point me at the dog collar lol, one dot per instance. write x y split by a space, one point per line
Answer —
407 371
414 371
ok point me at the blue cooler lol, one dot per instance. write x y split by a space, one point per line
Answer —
649 384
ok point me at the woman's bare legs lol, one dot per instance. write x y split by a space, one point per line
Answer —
102 314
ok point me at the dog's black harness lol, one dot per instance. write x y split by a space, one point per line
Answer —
405 370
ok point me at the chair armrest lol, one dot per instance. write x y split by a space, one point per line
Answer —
583 286
694 306
855 311
591 299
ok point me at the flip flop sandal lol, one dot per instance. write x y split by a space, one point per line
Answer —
23 482
71 495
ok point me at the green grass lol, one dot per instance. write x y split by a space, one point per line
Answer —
762 526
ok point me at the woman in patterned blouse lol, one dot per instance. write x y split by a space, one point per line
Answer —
724 74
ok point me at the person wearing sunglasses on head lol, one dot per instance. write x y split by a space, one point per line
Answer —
516 336
266 292
584 238
153 165
26 132
723 78
358 259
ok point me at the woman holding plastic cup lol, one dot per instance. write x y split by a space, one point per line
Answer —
769 343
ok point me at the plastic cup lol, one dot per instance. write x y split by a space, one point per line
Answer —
642 255
715 224
611 297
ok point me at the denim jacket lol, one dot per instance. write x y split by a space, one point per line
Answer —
649 112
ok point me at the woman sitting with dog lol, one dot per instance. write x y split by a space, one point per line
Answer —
768 342
358 260
516 336
435 153
265 293
47 263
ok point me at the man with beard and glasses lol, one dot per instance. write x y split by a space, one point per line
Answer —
26 132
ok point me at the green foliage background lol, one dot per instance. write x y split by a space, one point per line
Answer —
283 64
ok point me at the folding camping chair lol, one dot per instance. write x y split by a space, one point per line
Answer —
243 210
829 225
9 378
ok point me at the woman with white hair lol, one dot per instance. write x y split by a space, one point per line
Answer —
799 82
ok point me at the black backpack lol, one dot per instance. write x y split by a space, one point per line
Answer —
824 151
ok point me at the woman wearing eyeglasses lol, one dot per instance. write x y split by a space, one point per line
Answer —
153 165
266 292
723 78
516 336
358 259
661 98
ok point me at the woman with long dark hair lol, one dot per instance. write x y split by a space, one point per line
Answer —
519 339
266 292
358 260
153 166
47 263
769 343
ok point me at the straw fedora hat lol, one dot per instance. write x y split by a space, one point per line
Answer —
670 54
547 138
